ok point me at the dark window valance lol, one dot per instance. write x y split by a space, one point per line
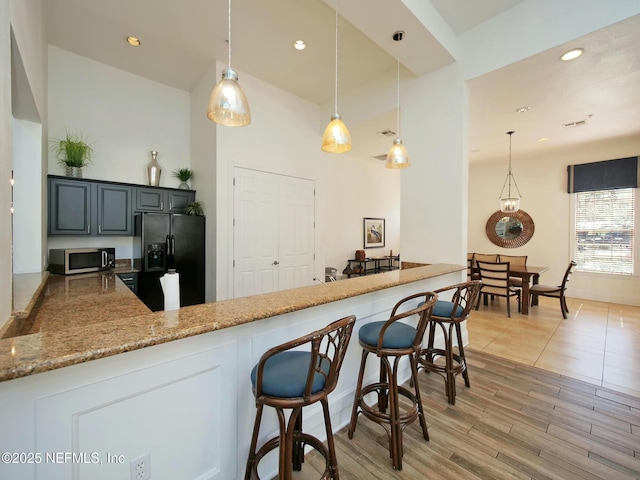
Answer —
605 175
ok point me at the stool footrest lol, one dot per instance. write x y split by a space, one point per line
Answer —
376 415
299 437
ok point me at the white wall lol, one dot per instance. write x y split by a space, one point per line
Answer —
123 116
5 161
28 191
284 138
542 180
433 189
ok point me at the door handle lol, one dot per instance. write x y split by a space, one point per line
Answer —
275 262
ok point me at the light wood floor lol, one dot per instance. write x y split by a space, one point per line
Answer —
549 399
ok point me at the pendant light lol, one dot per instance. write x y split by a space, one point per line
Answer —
398 157
336 138
227 103
509 203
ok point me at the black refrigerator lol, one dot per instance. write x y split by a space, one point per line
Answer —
163 241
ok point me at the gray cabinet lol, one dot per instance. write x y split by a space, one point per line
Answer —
114 210
70 207
84 208
165 200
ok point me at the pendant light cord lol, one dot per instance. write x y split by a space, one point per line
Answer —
336 79
398 101
229 37
510 176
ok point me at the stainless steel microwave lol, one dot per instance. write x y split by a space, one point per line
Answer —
66 261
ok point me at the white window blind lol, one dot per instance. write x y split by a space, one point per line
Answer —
604 231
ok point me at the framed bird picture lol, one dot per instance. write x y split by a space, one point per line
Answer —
373 232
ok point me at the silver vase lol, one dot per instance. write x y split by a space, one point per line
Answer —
154 170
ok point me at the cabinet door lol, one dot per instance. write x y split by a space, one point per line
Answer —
150 199
69 207
114 210
178 200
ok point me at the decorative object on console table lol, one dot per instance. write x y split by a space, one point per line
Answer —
373 232
73 153
184 175
154 170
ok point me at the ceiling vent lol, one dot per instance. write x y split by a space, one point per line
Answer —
386 133
578 123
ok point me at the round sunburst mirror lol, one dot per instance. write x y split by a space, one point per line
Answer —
510 230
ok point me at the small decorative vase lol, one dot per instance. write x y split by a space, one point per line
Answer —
73 172
154 170
183 186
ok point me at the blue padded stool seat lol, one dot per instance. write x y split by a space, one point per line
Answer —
398 335
285 375
442 308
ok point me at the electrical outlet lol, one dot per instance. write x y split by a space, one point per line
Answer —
141 468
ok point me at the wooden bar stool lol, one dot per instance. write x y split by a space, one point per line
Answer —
291 379
448 315
396 339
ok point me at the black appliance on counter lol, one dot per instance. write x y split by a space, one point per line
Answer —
162 241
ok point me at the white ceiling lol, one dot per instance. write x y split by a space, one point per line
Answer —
181 40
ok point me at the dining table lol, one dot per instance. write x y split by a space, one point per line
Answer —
528 274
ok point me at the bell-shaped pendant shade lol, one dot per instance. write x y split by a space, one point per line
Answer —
509 205
336 138
398 157
228 104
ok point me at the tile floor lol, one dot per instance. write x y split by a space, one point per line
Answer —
598 343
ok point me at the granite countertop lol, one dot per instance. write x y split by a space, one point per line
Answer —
85 317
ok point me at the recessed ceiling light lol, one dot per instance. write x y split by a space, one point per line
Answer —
133 41
523 109
572 54
299 45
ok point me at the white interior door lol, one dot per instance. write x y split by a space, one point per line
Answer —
273 237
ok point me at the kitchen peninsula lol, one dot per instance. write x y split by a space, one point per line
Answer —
189 391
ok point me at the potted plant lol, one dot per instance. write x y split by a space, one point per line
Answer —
184 175
73 153
193 208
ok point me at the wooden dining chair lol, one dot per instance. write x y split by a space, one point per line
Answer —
554 291
514 260
495 282
481 257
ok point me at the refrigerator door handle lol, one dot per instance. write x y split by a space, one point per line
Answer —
168 246
173 246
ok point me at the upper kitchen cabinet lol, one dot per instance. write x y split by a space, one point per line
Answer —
86 208
69 207
154 199
114 210
83 207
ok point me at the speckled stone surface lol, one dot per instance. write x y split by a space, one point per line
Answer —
83 319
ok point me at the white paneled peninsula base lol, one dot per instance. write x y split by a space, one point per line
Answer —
85 401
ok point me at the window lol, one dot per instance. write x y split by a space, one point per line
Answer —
604 226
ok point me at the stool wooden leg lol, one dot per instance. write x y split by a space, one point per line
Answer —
358 396
298 446
450 378
333 461
285 451
413 359
395 442
254 441
463 360
383 394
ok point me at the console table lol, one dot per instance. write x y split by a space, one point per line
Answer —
380 264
